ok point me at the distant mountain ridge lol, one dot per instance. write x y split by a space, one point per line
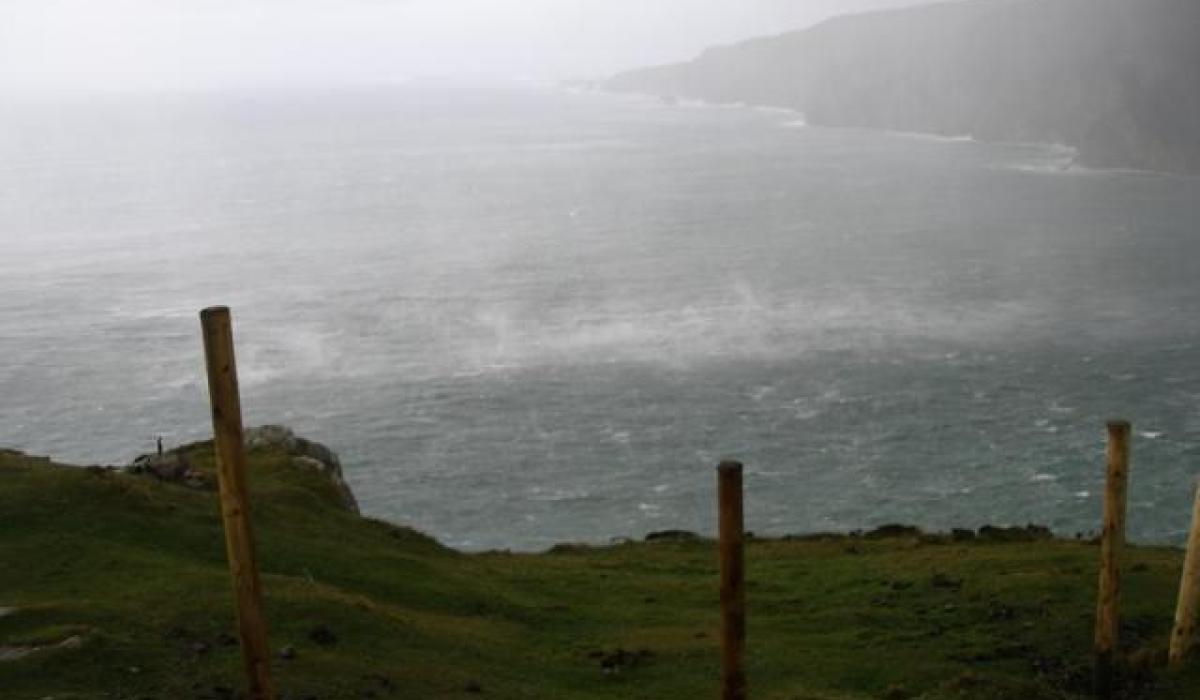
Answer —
1117 79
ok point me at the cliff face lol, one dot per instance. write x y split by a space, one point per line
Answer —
1118 80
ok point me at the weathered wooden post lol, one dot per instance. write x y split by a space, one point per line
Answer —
1111 543
1183 634
733 573
235 501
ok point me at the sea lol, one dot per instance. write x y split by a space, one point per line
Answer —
525 315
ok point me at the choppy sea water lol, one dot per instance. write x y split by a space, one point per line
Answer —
524 316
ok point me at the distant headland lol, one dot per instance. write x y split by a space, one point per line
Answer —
1115 80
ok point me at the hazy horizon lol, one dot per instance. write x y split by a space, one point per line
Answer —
145 45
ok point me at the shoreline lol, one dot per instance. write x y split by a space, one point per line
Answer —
1078 160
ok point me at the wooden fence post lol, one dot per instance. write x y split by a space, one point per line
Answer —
733 591
1111 543
235 502
1189 593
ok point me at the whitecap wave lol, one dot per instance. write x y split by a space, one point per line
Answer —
554 495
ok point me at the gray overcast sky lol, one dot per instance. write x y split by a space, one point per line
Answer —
133 44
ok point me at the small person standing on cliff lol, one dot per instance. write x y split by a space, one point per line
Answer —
160 445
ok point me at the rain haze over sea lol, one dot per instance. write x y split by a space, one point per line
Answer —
525 315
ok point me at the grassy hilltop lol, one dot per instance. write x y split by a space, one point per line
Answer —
116 587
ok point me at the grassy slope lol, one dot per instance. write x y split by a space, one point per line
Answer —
137 568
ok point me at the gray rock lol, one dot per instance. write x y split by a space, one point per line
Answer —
271 436
170 466
75 642
15 653
18 652
306 454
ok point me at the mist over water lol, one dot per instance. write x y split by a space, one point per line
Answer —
525 315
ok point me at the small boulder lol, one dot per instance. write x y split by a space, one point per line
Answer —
322 636
73 642
172 467
270 436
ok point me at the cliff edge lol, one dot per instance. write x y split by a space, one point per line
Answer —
116 585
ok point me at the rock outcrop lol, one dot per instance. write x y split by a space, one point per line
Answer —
174 465
305 454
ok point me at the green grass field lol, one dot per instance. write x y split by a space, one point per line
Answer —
131 572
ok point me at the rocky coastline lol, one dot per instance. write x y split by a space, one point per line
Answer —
1113 80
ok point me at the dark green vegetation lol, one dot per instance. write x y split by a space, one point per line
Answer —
1115 78
132 571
